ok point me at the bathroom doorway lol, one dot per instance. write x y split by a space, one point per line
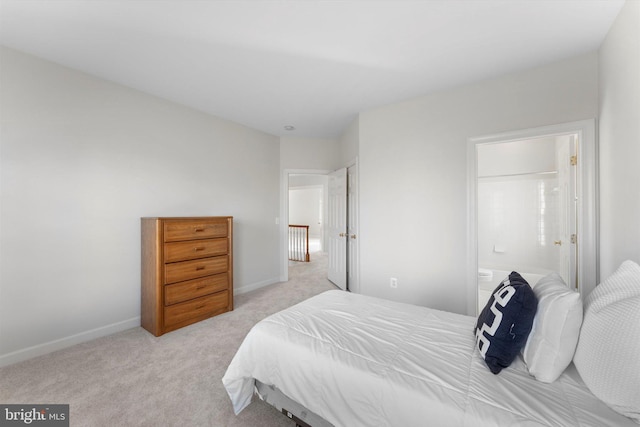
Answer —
533 207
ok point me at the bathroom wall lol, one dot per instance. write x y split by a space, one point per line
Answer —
519 206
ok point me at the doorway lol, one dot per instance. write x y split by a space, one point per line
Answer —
307 206
339 226
532 201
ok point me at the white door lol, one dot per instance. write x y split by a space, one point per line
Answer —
353 282
337 228
565 242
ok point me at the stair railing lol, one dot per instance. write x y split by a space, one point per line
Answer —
299 243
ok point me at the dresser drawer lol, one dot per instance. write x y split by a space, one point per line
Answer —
194 229
187 270
198 307
184 291
193 249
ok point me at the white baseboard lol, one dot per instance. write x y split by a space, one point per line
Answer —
59 344
253 286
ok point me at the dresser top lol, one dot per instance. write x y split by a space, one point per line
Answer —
187 217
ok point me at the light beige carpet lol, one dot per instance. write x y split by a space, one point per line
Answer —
135 379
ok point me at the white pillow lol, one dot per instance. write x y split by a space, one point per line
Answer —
555 331
608 352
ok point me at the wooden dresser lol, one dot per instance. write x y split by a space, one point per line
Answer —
187 271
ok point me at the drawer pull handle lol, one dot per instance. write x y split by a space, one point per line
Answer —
198 249
200 287
200 307
200 267
198 229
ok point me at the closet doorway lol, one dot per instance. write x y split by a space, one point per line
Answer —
532 208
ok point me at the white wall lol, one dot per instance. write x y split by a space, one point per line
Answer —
349 143
309 153
308 180
304 208
307 197
413 178
620 141
517 157
82 159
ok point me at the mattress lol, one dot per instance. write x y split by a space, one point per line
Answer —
361 361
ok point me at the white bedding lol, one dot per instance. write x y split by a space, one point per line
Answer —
362 361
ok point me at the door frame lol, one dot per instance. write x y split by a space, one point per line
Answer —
353 241
587 191
283 220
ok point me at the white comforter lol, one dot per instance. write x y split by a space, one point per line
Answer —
362 361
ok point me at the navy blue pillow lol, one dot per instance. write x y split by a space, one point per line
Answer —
505 322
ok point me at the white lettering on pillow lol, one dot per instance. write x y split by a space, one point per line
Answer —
502 297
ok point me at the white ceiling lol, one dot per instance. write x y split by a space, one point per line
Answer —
310 64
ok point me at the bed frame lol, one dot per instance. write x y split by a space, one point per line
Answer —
292 409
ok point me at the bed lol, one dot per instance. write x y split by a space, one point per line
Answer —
353 360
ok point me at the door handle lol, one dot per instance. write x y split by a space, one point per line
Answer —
341 234
353 236
557 242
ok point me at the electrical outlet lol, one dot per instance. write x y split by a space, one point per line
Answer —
393 282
